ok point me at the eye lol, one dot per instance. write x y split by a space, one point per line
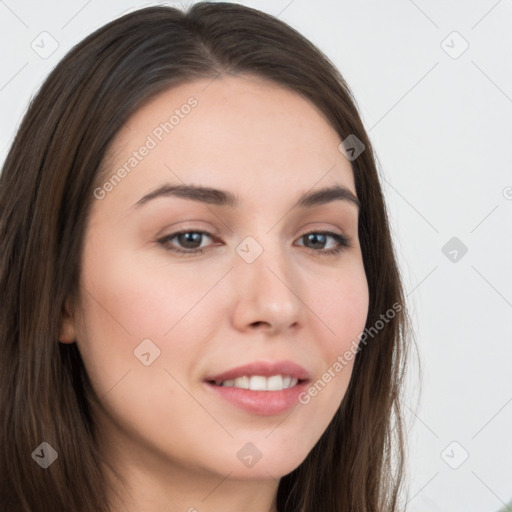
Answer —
325 242
186 242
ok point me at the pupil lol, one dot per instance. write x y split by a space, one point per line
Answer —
315 238
190 240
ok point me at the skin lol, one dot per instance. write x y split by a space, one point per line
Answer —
173 441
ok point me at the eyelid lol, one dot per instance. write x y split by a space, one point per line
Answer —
188 226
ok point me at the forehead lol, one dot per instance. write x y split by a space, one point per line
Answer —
239 133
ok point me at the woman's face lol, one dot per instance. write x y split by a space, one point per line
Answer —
258 280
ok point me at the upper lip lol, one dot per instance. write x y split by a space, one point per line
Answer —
263 368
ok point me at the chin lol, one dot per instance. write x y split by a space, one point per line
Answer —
272 464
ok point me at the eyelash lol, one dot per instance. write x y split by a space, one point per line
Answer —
342 240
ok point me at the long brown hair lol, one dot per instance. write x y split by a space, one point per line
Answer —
46 190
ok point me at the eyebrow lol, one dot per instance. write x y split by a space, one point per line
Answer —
218 197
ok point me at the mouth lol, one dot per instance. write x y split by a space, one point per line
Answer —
261 388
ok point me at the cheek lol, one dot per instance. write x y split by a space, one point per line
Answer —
342 305
140 298
128 300
125 304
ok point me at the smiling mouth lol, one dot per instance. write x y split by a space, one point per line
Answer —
259 382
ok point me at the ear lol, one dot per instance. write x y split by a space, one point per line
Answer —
67 328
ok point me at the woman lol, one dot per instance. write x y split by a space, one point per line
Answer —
201 308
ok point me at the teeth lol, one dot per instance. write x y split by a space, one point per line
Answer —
260 383
274 383
242 382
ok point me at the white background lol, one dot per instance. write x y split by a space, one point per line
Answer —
442 129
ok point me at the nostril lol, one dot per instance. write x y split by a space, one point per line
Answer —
259 323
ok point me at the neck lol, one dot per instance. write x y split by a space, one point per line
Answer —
184 491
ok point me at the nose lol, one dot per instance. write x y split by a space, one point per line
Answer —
268 295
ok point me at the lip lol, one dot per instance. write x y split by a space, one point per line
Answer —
262 403
264 369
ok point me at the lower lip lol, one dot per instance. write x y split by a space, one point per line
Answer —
263 403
